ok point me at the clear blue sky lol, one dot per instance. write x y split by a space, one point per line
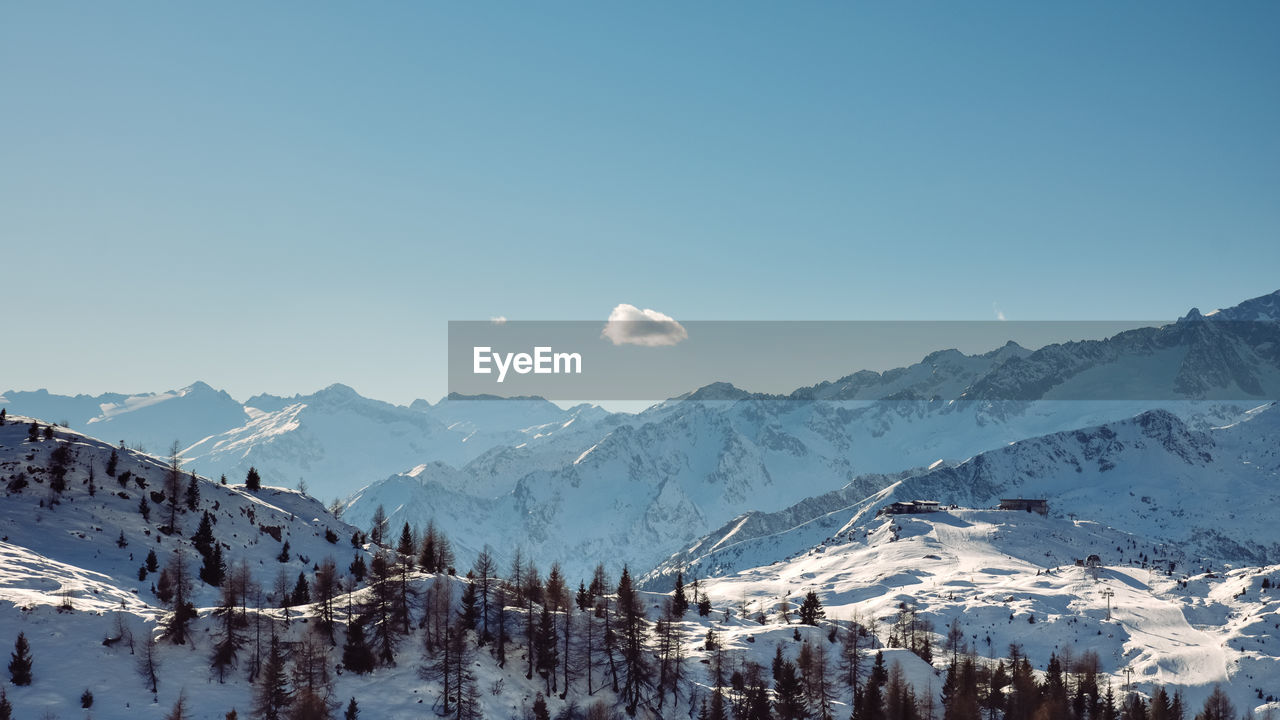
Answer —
277 196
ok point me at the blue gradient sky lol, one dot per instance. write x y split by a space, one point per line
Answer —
277 196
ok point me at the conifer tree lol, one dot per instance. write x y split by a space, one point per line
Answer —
356 655
378 525
182 610
173 488
112 463
20 661
301 594
229 641
470 611
717 710
1217 706
214 569
811 609
193 493
284 553
202 539
252 480
638 675
6 708
149 663
327 586
789 704
353 711
679 603
406 545
485 571
272 697
540 711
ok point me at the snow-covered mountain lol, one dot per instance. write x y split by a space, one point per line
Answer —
686 466
1180 522
151 420
1206 496
334 439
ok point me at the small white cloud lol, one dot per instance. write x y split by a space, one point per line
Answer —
629 325
499 320
999 313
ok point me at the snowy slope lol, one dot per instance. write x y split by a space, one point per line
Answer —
1012 577
82 530
1206 492
67 585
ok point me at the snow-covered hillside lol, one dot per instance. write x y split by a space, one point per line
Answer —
107 533
73 541
1012 578
1208 493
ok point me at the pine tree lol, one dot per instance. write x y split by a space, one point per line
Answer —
173 487
112 463
789 704
356 655
301 594
353 711
272 696
540 711
203 538
811 609
358 569
717 710
153 563
149 663
20 662
213 570
406 545
3 416
284 553
704 606
378 525
327 586
545 647
33 432
638 675
144 509
1216 707
183 611
122 542
6 708
229 641
470 612
193 493
484 571
679 603
253 481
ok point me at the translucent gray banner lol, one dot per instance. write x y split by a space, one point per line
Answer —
1202 359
